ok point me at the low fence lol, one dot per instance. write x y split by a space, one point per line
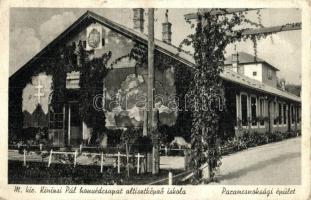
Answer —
114 153
139 158
168 151
102 155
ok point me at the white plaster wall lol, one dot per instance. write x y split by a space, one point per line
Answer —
273 80
250 68
30 100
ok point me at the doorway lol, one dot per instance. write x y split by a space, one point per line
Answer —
74 124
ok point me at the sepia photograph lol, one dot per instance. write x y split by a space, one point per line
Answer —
157 99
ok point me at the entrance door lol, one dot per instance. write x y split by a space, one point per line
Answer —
74 129
56 125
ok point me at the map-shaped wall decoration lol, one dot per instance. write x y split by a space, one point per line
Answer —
93 38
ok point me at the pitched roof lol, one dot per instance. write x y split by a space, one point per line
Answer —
89 17
245 58
245 81
161 46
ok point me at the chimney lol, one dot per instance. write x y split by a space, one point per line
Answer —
235 60
138 19
166 30
283 85
235 64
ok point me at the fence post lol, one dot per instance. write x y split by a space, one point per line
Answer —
40 147
138 160
75 160
80 148
50 158
127 159
187 158
153 160
101 162
118 162
165 150
170 178
24 157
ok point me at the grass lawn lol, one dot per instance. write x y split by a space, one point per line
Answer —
64 174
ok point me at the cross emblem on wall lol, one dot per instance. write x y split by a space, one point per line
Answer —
39 94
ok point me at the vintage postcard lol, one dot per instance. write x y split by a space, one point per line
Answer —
155 99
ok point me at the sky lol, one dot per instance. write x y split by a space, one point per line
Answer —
31 29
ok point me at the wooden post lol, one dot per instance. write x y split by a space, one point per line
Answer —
138 160
24 157
118 162
40 147
153 161
101 162
150 65
127 160
151 116
217 12
187 158
145 124
69 122
80 148
63 139
75 160
170 178
143 164
50 158
166 150
206 171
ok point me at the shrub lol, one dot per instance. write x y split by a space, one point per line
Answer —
247 140
114 137
279 136
259 138
143 144
286 135
275 136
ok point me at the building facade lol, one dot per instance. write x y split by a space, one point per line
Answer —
253 102
260 106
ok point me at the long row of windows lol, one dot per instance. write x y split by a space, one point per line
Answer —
254 110
280 113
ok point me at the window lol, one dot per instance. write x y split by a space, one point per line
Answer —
253 109
254 73
298 115
284 113
56 118
280 114
244 110
269 74
274 113
262 111
293 115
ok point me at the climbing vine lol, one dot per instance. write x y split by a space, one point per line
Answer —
58 65
212 35
92 74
